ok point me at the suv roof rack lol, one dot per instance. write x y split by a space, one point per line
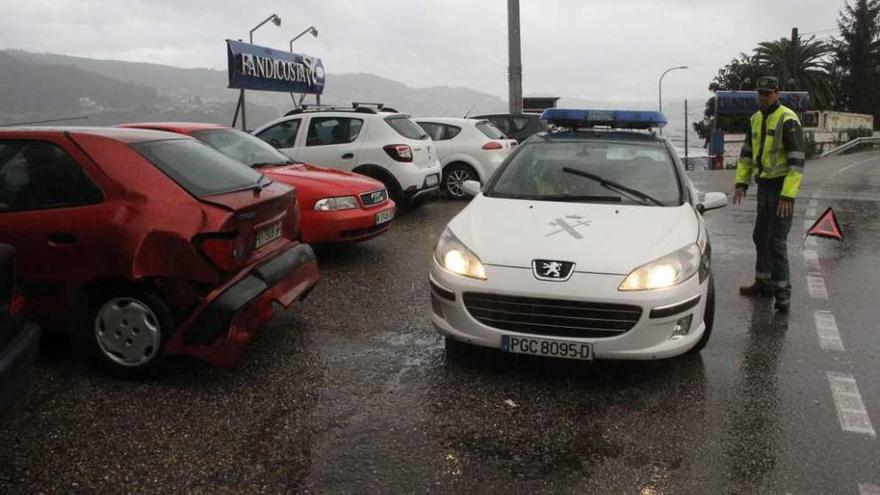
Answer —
356 107
380 107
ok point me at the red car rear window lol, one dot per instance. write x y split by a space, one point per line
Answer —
197 167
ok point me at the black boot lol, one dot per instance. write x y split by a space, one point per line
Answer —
783 300
757 289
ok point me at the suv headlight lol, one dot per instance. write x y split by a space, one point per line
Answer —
458 259
341 203
667 271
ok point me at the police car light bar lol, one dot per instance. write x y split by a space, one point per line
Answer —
616 119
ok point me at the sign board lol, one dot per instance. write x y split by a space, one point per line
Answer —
733 102
266 69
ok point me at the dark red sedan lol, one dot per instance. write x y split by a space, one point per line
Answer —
335 206
147 243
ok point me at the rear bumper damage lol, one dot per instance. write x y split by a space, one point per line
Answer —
221 327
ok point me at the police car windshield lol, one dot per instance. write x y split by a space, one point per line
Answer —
547 171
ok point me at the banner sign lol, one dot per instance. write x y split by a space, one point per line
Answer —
731 102
267 69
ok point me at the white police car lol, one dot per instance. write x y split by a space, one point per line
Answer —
588 242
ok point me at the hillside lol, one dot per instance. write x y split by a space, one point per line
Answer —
36 86
51 85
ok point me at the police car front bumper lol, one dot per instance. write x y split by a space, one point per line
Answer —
657 333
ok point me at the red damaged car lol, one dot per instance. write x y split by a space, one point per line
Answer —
336 206
147 243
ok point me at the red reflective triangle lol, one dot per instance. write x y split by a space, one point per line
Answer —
826 226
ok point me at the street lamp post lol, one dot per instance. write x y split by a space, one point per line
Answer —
277 21
314 31
660 84
311 29
660 88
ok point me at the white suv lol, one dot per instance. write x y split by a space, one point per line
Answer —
374 141
468 149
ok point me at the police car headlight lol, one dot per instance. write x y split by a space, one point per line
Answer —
668 271
457 258
341 203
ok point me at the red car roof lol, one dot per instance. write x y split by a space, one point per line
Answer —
127 136
178 127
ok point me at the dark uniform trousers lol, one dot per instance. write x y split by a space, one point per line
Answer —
771 235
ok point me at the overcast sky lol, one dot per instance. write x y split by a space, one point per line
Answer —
592 49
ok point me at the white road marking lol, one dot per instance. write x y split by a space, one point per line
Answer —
848 402
816 286
826 328
856 164
813 203
869 489
811 213
815 194
811 260
808 224
811 241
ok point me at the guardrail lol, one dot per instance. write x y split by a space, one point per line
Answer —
855 143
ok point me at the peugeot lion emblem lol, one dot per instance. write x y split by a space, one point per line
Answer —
552 270
377 196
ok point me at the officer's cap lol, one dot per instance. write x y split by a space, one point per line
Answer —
767 83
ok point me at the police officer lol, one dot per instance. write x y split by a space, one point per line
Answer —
774 153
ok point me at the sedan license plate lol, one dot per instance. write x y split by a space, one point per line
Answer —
268 235
546 347
384 216
432 180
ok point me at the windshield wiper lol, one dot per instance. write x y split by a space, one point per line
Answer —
610 184
261 184
269 164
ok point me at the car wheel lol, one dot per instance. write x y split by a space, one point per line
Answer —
125 330
708 318
394 191
454 177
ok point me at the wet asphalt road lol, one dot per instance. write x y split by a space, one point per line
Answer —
351 391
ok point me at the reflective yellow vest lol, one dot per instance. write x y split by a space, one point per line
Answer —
770 158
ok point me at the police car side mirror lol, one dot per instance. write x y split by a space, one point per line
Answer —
712 201
471 187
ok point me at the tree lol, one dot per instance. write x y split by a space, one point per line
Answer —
858 57
805 65
741 73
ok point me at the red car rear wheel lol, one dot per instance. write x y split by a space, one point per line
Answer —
125 330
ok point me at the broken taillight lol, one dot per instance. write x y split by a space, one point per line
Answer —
224 250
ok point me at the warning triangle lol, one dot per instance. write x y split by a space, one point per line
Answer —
826 226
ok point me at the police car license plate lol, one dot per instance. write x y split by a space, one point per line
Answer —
268 235
546 347
432 180
384 216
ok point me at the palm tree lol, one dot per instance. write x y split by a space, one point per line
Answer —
806 66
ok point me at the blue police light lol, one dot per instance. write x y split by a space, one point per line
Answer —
616 119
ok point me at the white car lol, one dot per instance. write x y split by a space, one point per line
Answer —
369 140
468 149
587 243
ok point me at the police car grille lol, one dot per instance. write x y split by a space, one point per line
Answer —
374 197
552 317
